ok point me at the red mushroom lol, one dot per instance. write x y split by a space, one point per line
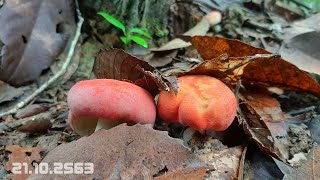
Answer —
202 102
104 103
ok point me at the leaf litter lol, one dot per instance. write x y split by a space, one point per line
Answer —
24 155
247 70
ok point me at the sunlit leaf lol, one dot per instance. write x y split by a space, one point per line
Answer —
139 41
124 39
113 21
140 31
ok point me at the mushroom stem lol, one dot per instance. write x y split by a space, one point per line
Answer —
187 135
107 124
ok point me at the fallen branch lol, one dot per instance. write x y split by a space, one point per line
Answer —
56 76
47 115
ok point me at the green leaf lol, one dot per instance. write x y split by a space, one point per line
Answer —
139 41
124 39
113 21
140 31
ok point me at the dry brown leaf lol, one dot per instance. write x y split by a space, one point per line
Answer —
185 174
117 64
267 126
309 170
281 8
222 67
31 110
20 155
265 123
281 74
8 92
138 152
36 126
34 35
226 162
267 107
252 65
162 58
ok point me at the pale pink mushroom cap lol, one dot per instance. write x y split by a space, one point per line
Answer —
213 18
110 100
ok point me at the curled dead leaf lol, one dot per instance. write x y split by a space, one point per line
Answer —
31 110
235 59
117 64
36 126
267 126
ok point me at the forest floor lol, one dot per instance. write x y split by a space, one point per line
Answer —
280 141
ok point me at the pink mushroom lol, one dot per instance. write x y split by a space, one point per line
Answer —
104 103
213 18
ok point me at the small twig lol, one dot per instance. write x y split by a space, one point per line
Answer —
303 110
58 74
6 126
301 4
302 119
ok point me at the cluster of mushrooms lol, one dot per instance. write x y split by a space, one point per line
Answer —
202 103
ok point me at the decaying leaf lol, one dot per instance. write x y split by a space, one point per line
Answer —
21 155
34 34
267 126
302 51
226 163
138 152
264 122
36 126
309 170
31 110
281 74
160 59
8 92
226 69
259 165
185 174
252 65
117 64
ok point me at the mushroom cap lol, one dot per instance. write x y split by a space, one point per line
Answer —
213 18
202 102
110 100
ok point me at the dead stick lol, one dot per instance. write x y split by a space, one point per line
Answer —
55 76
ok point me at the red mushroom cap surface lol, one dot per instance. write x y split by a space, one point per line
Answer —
108 99
202 102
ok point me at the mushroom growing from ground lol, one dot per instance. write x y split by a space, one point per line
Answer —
105 103
202 102
213 18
